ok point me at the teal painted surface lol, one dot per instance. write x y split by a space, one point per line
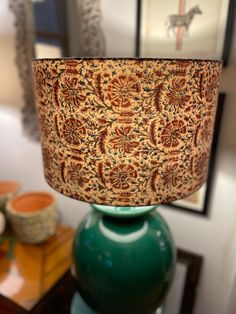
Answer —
124 265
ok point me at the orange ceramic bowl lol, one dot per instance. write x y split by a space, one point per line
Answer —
32 216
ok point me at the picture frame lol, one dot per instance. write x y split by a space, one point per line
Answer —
198 203
182 295
182 29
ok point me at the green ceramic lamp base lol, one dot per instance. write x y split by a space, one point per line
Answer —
123 265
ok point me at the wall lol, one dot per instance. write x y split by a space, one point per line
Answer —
214 236
118 23
10 88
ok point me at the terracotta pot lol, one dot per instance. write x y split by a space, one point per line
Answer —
32 216
8 189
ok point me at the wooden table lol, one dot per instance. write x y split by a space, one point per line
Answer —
37 278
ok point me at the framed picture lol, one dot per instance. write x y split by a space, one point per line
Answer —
182 295
198 202
185 29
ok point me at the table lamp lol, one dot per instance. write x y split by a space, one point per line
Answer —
125 135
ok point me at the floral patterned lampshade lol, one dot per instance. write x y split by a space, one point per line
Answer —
126 132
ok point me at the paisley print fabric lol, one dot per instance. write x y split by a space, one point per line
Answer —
126 132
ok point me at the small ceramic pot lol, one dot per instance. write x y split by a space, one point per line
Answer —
8 189
33 216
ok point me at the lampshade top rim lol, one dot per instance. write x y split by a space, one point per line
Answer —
127 58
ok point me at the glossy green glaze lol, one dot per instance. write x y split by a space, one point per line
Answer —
123 211
124 266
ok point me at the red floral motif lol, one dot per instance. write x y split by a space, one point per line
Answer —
76 175
47 159
211 89
41 81
121 175
182 64
122 89
172 133
171 176
73 131
206 130
201 164
124 197
177 95
44 128
124 139
71 91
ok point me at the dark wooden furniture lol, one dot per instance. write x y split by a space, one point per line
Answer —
57 300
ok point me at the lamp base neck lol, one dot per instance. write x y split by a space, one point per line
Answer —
123 211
